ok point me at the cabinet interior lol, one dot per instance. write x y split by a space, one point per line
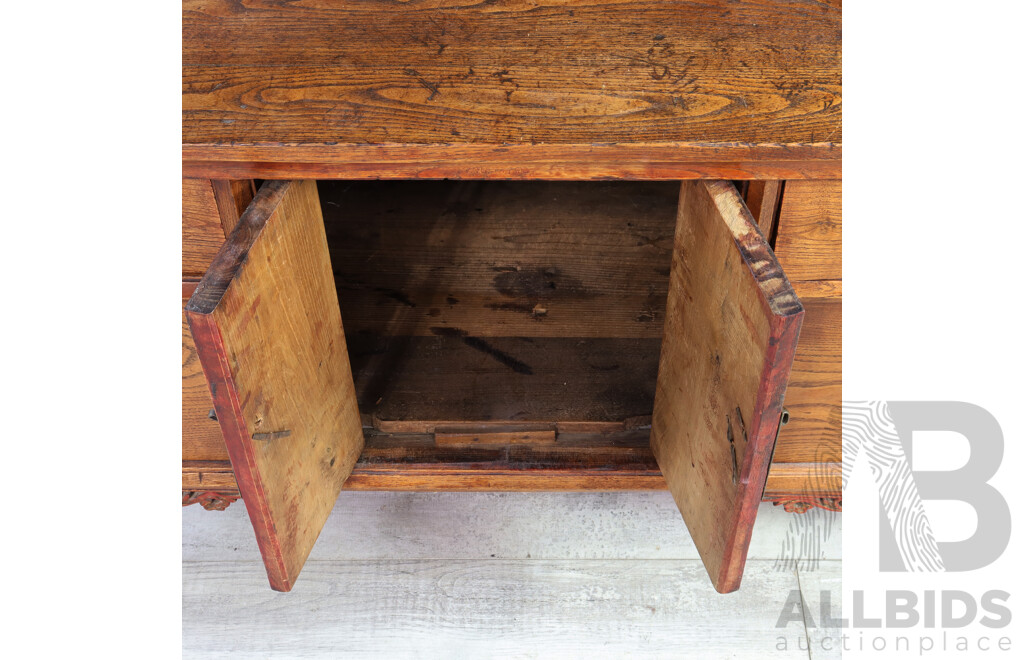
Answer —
496 310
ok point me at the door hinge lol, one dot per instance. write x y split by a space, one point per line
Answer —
783 420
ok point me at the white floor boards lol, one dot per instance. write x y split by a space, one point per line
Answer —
453 575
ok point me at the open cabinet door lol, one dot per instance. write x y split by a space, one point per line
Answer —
267 329
731 327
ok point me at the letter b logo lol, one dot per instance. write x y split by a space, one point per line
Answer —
884 432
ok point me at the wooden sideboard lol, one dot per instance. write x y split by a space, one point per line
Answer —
511 246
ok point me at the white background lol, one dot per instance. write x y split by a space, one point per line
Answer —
932 275
932 215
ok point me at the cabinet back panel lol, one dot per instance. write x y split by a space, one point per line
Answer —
501 259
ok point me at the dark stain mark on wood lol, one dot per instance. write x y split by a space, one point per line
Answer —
537 284
276 435
394 294
461 210
604 367
503 77
451 300
511 307
430 87
732 450
228 262
637 422
484 347
743 426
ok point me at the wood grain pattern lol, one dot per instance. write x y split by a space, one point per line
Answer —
201 439
763 198
502 259
810 237
579 461
233 197
809 247
268 331
829 289
215 475
813 434
562 74
810 480
464 436
606 467
578 72
415 384
814 395
201 231
658 162
731 327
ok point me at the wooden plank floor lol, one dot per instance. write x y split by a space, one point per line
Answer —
506 575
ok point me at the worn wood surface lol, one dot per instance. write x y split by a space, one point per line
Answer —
201 231
649 162
811 480
814 395
692 78
215 475
828 289
233 197
764 198
391 268
201 439
581 461
810 236
731 327
267 328
463 436
605 463
501 259
414 384
809 247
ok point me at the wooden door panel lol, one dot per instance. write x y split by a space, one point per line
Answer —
268 331
201 439
810 235
201 231
731 328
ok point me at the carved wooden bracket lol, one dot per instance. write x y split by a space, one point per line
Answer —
795 504
211 501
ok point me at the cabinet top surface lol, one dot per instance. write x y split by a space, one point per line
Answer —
317 80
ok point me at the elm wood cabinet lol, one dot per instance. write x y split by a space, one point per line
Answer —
528 326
